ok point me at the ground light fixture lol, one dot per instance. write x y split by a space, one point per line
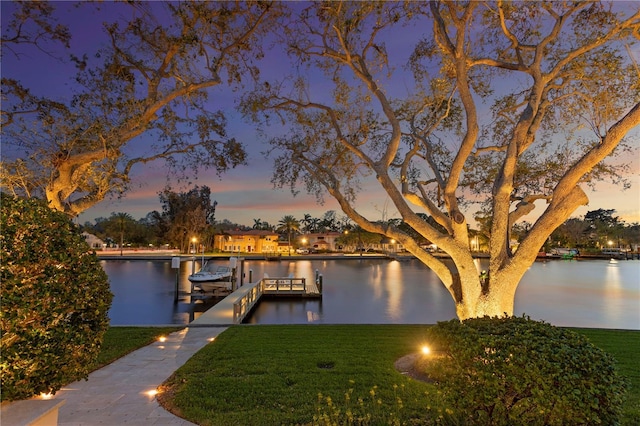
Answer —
425 350
151 393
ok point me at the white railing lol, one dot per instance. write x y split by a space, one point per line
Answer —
284 285
280 286
243 304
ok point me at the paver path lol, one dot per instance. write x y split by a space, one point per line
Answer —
118 393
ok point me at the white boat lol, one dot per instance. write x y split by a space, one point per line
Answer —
213 278
211 273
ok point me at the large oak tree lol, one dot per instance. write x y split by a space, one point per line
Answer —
510 103
186 215
146 95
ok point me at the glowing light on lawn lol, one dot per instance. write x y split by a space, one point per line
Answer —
46 395
162 339
426 350
211 339
152 393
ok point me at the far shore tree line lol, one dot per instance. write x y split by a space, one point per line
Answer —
191 214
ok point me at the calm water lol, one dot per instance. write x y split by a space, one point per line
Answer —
594 293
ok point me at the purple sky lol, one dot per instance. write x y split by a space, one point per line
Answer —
244 193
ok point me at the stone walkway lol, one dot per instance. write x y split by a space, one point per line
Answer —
122 392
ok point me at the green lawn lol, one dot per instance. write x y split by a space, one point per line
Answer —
286 374
625 347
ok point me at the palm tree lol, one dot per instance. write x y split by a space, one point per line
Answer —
306 221
315 224
289 224
257 223
122 220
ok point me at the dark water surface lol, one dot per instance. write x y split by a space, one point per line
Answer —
584 293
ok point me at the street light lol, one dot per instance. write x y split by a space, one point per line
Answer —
194 240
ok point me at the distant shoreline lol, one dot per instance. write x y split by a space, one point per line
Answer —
168 255
157 255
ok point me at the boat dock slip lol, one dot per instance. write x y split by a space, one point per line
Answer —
235 307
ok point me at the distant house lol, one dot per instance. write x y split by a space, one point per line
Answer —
284 247
93 241
323 241
251 241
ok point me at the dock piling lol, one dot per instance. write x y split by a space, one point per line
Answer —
175 264
242 271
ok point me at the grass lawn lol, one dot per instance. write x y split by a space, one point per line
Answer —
119 341
285 374
625 347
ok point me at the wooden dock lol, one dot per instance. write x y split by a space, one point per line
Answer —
234 308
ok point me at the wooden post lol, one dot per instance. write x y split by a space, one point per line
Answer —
175 264
233 263
241 271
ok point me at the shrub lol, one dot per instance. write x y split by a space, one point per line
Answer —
515 371
55 299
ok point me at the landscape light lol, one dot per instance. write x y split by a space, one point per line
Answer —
162 339
426 350
48 395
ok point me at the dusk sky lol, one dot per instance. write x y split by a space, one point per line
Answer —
245 193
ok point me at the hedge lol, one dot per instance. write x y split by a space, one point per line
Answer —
515 371
54 300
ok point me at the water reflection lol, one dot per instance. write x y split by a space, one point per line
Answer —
377 291
394 290
614 290
582 293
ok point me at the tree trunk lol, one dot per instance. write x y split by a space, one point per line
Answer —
490 295
497 302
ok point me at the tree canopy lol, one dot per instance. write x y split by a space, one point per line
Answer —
185 215
145 95
513 106
506 104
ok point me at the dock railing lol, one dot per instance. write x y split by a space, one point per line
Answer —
284 285
272 286
243 304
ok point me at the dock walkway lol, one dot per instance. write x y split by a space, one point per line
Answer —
236 306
